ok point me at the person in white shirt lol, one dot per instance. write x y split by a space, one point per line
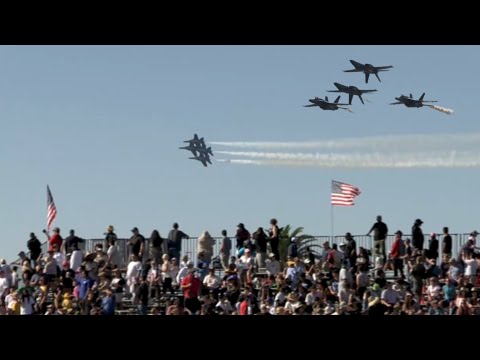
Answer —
7 271
279 298
76 258
224 304
184 271
389 297
310 297
272 265
470 268
4 285
154 279
59 257
345 273
134 270
27 303
212 282
114 257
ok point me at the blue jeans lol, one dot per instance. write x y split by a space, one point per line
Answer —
142 309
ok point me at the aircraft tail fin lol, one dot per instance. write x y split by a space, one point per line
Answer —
367 75
378 77
356 64
421 97
360 96
326 98
337 99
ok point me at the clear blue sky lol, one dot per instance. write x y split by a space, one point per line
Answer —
102 126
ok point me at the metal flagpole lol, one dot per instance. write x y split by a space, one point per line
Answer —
331 226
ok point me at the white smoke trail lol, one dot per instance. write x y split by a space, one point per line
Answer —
442 109
412 143
366 160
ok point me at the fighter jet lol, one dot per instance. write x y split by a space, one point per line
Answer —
195 140
411 102
325 105
199 150
203 158
351 91
202 148
368 69
191 148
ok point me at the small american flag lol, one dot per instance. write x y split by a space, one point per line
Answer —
51 209
343 194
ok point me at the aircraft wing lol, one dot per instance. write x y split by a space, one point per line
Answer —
334 91
383 67
396 103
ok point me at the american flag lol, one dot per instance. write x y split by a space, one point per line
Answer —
343 194
51 209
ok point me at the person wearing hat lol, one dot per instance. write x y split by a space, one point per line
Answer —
191 286
109 236
417 235
272 265
22 257
292 250
55 239
397 253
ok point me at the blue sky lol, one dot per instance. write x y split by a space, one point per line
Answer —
102 126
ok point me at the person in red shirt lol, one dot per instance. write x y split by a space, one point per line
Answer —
397 252
244 307
55 239
191 287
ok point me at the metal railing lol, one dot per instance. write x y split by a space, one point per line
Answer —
190 247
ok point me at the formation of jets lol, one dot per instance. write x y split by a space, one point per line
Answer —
199 150
367 69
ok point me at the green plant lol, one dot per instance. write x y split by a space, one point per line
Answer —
303 241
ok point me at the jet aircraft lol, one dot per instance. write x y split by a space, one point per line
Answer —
203 159
368 69
351 91
325 104
411 102
199 150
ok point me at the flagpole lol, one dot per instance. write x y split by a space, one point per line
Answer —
331 225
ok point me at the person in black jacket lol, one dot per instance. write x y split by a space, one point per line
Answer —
35 248
417 235
433 247
380 231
